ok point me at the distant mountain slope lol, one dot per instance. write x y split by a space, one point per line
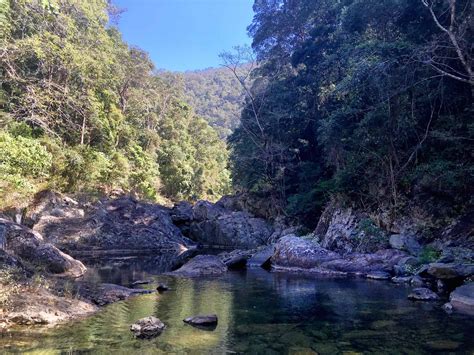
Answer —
216 96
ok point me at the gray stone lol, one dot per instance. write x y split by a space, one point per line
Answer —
262 258
29 246
447 307
202 265
236 259
401 280
292 251
423 294
378 275
417 281
104 294
202 320
406 243
120 224
148 327
462 298
450 271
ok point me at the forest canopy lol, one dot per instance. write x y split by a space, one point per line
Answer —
217 96
81 110
366 101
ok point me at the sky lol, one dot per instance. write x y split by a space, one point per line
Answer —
185 35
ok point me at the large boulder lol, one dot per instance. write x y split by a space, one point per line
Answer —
30 247
360 263
214 225
300 253
344 230
450 271
120 224
406 243
295 252
462 298
202 265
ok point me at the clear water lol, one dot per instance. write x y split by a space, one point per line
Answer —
259 313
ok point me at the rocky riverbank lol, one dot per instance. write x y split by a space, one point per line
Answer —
46 242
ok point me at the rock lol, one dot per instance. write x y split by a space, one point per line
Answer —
262 258
50 203
236 259
423 294
350 232
417 281
140 282
162 288
39 306
401 280
292 251
406 243
30 247
214 225
202 321
406 266
460 233
182 213
378 275
103 294
443 345
202 265
259 206
120 224
450 271
447 307
148 327
462 298
357 263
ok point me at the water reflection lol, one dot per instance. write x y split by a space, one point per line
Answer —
261 312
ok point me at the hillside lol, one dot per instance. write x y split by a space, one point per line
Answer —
216 96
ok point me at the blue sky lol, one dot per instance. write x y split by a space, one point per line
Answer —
185 34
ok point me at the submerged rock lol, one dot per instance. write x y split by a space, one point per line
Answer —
140 282
202 321
378 275
401 280
103 294
162 288
148 327
202 265
462 298
423 294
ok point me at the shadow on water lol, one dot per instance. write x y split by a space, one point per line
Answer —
259 312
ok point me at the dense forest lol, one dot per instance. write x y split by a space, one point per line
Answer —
82 111
217 96
368 102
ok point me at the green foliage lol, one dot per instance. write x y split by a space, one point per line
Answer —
351 105
429 254
216 96
80 110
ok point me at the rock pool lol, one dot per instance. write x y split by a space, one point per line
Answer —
259 312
